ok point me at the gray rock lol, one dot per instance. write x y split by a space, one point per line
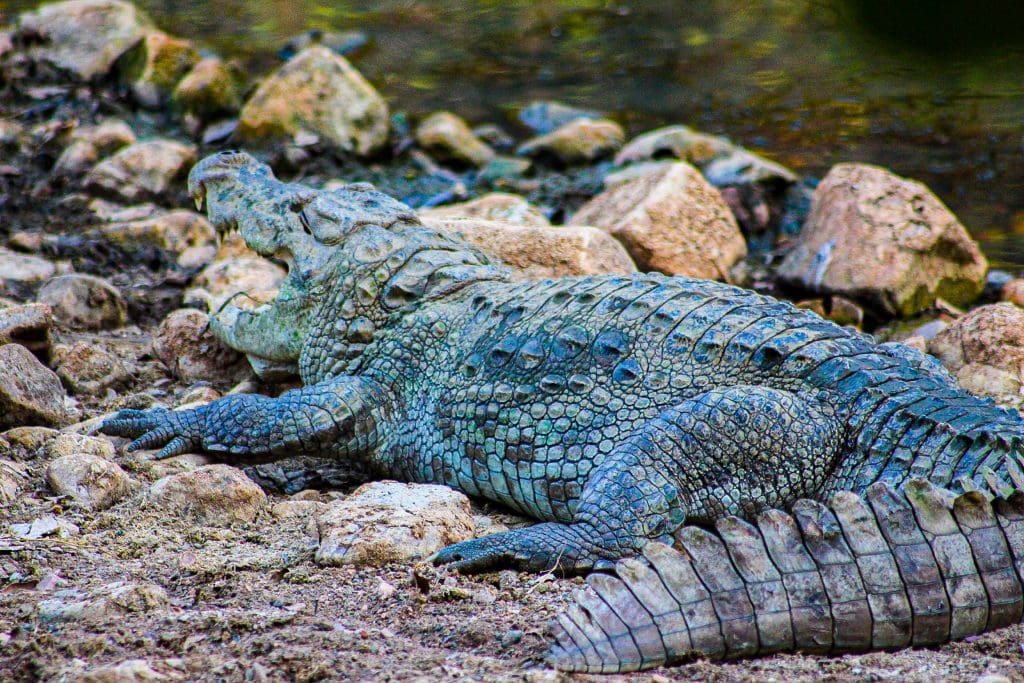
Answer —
30 393
84 302
385 522
145 170
23 269
217 495
679 142
28 325
82 37
545 116
111 600
13 477
91 481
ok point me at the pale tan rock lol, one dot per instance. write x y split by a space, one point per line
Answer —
23 269
143 170
86 368
110 600
217 495
187 347
449 138
1013 291
76 159
175 231
670 220
679 142
577 142
539 252
64 444
212 88
13 478
985 349
317 92
153 67
84 302
106 136
887 240
385 522
82 37
91 481
742 167
257 279
30 393
494 206
296 508
129 671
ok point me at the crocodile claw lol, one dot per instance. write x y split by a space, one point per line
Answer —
154 428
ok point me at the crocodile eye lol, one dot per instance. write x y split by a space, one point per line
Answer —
304 219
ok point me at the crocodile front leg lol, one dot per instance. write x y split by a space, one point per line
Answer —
338 417
738 450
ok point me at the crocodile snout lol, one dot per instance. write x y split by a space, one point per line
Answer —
215 168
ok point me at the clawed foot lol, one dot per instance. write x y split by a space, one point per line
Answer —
540 548
176 431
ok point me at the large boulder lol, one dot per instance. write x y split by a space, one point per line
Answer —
30 393
539 252
386 521
317 92
985 350
82 37
145 170
670 220
886 240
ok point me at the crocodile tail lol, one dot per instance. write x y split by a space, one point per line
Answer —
894 568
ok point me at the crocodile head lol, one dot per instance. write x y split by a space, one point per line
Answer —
293 223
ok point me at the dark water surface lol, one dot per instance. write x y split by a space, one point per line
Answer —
933 90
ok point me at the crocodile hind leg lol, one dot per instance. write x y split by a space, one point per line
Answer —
737 450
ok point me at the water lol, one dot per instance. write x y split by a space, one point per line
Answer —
934 91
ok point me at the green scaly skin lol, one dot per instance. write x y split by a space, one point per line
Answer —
613 409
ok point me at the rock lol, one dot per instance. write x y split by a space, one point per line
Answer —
1013 291
184 343
212 88
343 43
46 525
23 240
111 600
495 206
82 37
13 477
678 142
317 92
106 136
145 170
502 171
68 444
175 231
874 236
154 66
296 508
671 220
386 521
545 116
30 393
985 349
83 302
25 443
86 368
540 252
217 495
129 671
23 269
258 278
449 139
91 481
28 325
746 168
75 160
577 142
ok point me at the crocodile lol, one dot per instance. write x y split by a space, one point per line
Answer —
627 414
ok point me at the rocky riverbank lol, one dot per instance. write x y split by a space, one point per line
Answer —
116 567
